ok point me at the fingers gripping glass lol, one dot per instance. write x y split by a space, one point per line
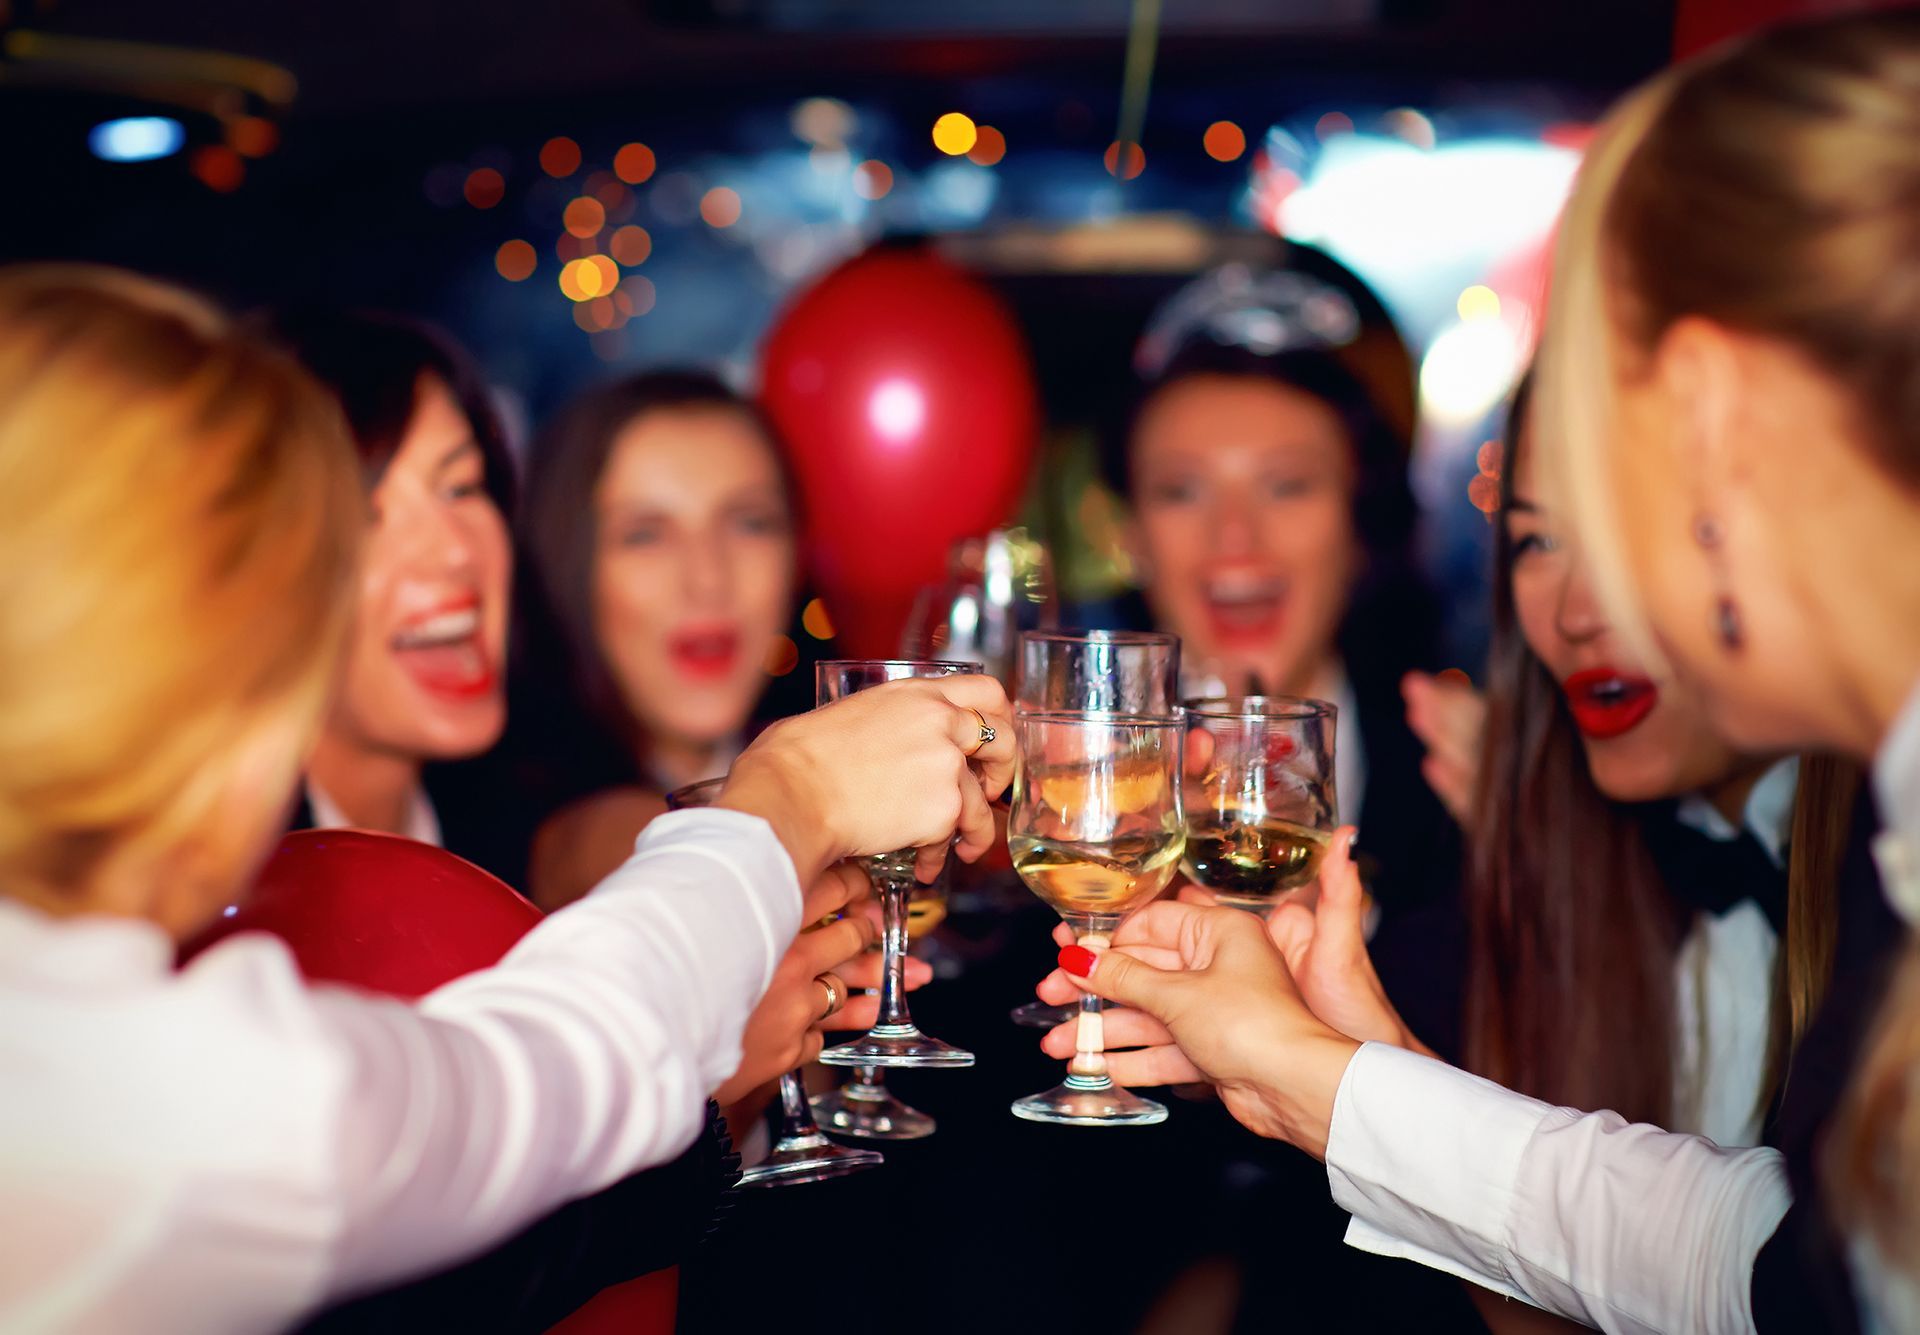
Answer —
894 1040
1096 831
800 1152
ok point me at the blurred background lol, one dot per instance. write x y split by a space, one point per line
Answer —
580 186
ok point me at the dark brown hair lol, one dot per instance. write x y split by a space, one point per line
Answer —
558 536
1573 933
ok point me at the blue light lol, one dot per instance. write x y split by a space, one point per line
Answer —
136 138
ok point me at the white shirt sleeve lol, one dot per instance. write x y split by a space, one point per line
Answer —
224 1148
1624 1227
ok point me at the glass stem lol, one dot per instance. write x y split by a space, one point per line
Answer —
796 1114
894 894
866 1083
1088 1068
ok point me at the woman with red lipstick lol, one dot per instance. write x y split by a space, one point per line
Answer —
1273 528
1727 425
424 675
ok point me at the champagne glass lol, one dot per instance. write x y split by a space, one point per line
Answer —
864 1106
1260 799
894 1040
1096 831
800 1152
1110 671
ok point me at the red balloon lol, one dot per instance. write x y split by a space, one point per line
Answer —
377 911
904 392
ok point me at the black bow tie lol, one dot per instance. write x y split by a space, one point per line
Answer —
1715 875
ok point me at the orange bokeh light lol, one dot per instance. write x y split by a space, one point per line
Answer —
1224 141
816 621
783 658
252 136
988 148
639 290
872 179
218 168
1125 160
485 188
584 216
634 163
515 260
631 245
720 207
955 133
560 156
589 277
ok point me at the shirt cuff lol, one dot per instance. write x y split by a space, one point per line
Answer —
1425 1157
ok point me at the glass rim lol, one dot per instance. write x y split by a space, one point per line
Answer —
1248 708
1022 714
1160 637
674 798
962 665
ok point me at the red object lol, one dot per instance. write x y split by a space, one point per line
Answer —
394 916
1699 24
1607 703
377 911
1078 960
903 390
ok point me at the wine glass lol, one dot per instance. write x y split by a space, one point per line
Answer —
1112 671
800 1152
864 1106
1260 799
996 586
894 1040
1096 831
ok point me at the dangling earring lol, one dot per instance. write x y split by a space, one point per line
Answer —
1726 613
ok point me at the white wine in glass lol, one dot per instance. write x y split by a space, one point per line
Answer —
1096 831
1260 799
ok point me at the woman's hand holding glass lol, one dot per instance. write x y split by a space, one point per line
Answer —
898 766
787 1028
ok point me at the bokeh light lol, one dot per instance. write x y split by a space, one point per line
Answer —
634 163
631 245
720 207
988 148
1224 141
1125 160
1332 124
485 187
584 216
639 291
560 156
783 657
815 620
954 133
872 179
1478 302
515 260
594 315
1410 125
218 168
252 136
136 138
825 122
589 277
571 247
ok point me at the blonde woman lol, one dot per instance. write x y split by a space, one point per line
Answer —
223 1148
1731 394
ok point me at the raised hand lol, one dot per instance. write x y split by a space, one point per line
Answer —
1448 717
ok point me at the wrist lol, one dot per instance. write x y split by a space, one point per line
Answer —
764 789
1303 1107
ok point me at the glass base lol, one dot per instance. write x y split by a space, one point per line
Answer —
1039 1015
1081 1102
896 1045
808 1158
870 1112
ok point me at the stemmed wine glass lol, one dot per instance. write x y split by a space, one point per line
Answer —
894 1040
1260 798
864 1106
1107 671
800 1152
1096 830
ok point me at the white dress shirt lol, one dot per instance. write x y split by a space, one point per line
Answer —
423 822
224 1148
1625 1227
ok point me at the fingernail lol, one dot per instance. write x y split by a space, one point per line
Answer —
1078 960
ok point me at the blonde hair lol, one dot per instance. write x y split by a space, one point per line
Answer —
179 513
1773 188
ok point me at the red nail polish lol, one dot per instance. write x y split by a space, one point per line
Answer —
1078 960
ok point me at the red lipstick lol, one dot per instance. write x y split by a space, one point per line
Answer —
1607 703
705 653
